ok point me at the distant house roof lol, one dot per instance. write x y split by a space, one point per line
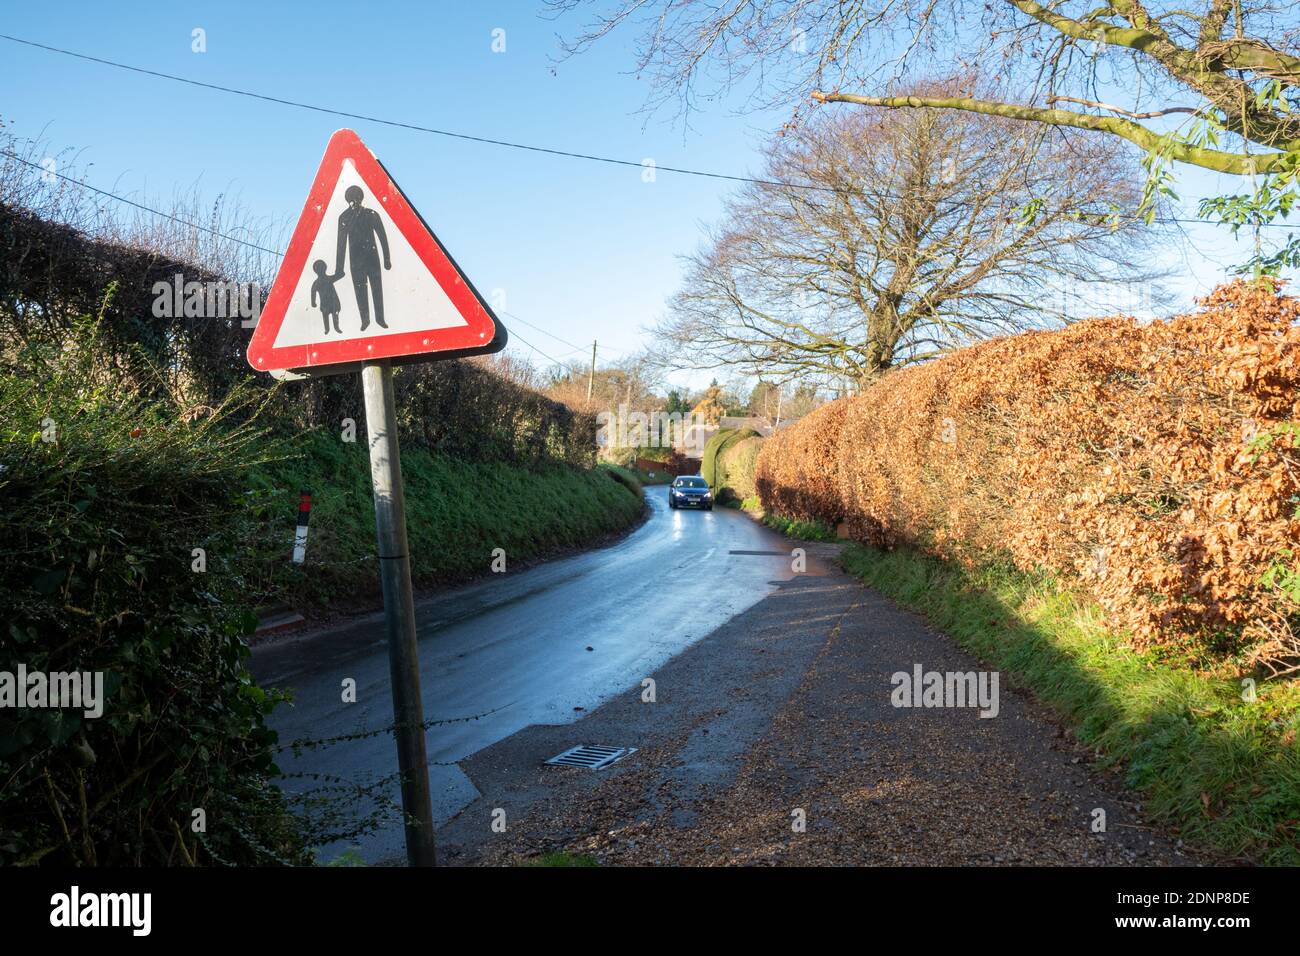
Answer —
760 425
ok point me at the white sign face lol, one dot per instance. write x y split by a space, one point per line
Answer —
351 275
365 280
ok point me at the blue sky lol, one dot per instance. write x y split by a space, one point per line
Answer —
581 249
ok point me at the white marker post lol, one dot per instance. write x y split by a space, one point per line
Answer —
300 533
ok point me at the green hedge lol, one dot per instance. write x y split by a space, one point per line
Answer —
715 446
106 497
735 469
51 275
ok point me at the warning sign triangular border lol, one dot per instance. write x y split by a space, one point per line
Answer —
482 332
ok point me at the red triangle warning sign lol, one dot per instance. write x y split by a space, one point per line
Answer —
365 278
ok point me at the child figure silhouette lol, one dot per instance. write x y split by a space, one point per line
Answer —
323 290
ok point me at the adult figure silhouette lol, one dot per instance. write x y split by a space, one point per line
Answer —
359 227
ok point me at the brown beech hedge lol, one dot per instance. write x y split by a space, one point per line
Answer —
1156 466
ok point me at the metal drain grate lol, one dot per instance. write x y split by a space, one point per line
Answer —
593 758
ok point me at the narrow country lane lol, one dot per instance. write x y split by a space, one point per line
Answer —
772 696
542 646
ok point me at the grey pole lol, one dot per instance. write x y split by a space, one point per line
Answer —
399 609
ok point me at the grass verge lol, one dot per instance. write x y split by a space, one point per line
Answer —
457 513
639 475
796 528
1221 771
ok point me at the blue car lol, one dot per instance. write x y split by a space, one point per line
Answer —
690 491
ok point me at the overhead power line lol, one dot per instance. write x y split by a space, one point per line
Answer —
568 154
552 359
563 341
140 206
229 238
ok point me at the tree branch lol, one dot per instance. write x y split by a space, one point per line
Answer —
1240 164
1241 53
1192 110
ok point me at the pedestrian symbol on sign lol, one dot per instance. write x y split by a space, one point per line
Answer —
359 227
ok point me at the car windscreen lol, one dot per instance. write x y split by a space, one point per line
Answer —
692 483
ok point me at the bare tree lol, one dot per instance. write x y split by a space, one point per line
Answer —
878 238
1211 83
1237 63
628 383
776 404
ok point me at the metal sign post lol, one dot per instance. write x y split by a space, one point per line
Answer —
405 300
399 609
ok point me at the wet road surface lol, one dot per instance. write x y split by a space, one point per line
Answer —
541 646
